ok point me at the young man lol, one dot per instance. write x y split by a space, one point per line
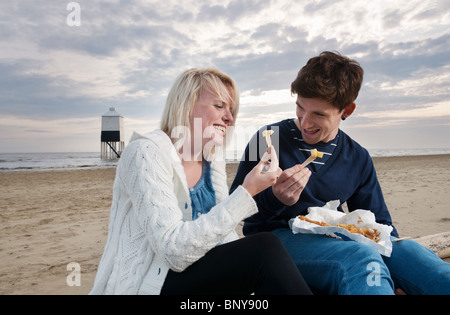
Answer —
326 90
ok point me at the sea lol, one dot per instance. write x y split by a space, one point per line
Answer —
86 160
53 161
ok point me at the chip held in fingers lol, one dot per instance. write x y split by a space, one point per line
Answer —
270 156
314 154
266 134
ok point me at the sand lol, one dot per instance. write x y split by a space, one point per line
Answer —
49 219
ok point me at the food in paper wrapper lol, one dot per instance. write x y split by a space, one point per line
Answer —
372 234
359 226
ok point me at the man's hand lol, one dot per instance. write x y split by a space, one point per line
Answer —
290 184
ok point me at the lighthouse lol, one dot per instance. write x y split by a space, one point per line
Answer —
112 143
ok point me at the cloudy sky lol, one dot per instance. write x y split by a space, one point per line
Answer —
57 78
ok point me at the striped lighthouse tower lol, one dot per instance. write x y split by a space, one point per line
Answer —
112 143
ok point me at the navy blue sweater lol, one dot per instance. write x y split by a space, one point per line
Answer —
348 175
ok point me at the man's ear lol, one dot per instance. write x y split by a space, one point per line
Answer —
348 111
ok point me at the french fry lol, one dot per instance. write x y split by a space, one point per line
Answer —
266 134
314 154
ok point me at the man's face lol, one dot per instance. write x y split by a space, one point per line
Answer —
317 120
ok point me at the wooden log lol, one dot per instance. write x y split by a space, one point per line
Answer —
438 243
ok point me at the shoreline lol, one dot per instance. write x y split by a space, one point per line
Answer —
228 162
49 219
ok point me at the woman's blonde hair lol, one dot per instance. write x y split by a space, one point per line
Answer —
186 91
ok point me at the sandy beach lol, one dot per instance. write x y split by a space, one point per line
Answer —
49 219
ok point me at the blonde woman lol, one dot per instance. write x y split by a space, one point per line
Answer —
172 228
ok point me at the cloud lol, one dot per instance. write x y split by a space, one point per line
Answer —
68 134
128 54
438 110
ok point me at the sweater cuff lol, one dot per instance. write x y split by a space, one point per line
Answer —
243 205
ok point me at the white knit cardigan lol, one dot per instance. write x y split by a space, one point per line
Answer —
151 228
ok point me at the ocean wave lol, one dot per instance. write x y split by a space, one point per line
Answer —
52 161
86 160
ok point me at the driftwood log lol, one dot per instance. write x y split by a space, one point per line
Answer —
438 243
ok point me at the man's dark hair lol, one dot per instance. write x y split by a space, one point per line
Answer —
331 77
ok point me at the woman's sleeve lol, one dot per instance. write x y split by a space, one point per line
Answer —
147 175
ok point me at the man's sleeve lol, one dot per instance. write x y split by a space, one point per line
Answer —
369 196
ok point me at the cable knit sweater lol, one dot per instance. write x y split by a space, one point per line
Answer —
151 228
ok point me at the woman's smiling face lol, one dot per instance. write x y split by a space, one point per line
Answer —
214 114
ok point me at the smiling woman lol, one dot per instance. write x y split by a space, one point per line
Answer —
209 90
213 116
173 221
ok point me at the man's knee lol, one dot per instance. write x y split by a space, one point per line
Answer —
365 270
363 257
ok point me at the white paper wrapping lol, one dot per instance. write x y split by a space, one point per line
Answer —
330 215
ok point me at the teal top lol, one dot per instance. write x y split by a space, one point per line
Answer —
203 196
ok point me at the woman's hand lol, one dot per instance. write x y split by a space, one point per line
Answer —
264 174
